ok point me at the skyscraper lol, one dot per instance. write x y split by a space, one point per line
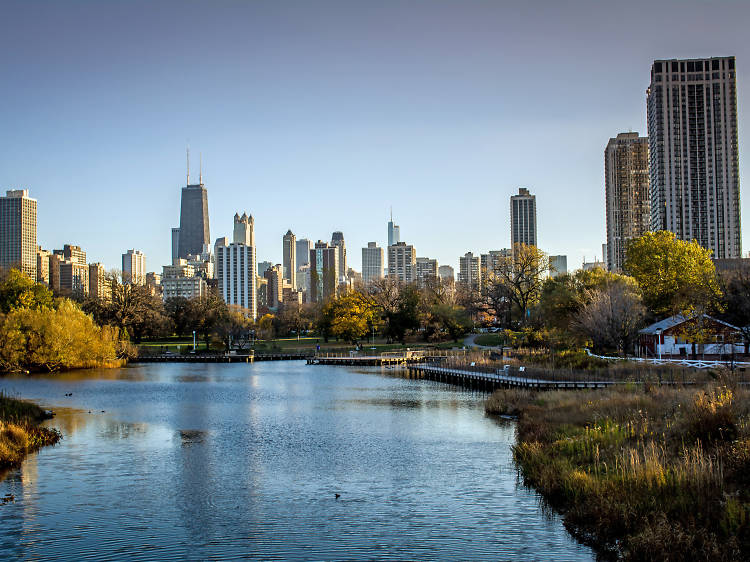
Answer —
337 240
303 252
627 196
558 265
324 268
402 262
236 266
394 232
372 263
134 267
275 286
289 260
523 218
694 167
18 232
193 235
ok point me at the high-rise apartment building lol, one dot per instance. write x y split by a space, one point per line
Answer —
236 266
72 253
18 232
558 265
324 268
402 262
469 271
275 290
394 232
42 265
427 269
337 240
193 236
523 218
694 165
626 193
289 258
372 263
73 278
447 273
134 267
99 288
489 262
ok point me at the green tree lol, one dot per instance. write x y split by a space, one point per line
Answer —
19 291
351 315
675 276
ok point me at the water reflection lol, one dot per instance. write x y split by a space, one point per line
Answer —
217 461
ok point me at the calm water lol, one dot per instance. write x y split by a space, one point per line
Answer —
210 461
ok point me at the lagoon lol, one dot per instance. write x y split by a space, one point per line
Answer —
198 461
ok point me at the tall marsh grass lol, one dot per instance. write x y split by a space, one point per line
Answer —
641 474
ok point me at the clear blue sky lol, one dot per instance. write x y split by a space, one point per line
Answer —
317 116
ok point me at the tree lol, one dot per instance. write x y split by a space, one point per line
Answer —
521 277
206 313
180 311
737 302
19 291
352 315
134 309
613 316
234 326
675 276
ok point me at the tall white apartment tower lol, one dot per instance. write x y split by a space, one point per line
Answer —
523 218
372 263
236 266
18 232
289 259
694 165
402 262
627 196
133 267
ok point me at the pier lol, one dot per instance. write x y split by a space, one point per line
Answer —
217 358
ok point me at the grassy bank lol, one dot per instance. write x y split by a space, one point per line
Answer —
20 433
641 473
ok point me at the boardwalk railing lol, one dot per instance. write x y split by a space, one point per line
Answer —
694 363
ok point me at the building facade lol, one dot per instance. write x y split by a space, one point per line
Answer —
694 163
402 262
134 267
470 271
289 258
74 278
394 232
447 273
427 269
627 197
372 263
18 246
236 267
194 234
558 265
523 218
42 265
99 287
324 267
275 291
489 262
337 240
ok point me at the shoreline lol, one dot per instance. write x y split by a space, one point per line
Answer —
639 473
21 432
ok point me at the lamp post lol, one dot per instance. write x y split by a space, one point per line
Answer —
193 340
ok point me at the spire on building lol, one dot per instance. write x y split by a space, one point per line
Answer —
188 166
200 168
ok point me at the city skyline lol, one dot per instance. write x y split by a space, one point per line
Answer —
452 144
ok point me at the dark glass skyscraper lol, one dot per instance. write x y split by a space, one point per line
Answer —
193 234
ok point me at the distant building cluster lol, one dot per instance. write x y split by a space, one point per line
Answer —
683 177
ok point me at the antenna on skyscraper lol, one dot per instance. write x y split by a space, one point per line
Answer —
391 213
188 166
200 168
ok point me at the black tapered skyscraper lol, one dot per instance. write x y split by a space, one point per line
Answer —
194 234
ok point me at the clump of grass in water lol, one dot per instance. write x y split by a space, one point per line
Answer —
20 433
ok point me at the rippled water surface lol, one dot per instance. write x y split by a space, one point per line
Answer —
207 461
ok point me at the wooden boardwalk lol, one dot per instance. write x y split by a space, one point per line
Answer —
490 381
233 358
364 360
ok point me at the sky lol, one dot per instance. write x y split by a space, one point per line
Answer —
318 116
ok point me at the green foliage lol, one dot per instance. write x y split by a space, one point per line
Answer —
674 275
19 291
350 316
50 339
